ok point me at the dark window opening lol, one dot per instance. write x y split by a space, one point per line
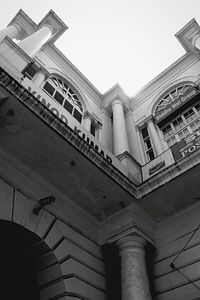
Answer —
58 97
145 132
93 129
77 115
147 144
49 88
68 106
30 70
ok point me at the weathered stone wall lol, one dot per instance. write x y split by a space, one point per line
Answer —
178 242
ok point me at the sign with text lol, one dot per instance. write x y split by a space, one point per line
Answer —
186 146
175 104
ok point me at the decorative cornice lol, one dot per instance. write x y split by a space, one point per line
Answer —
167 76
69 68
186 35
55 23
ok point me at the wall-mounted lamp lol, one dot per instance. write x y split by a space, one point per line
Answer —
43 202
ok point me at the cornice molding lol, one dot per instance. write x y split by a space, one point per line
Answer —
25 23
56 124
187 34
160 83
115 93
69 68
54 22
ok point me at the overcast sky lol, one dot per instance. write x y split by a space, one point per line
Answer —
110 41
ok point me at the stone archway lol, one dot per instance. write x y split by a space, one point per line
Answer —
27 264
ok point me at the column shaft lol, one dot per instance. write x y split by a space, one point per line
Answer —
135 285
106 131
120 137
157 142
87 121
35 41
132 137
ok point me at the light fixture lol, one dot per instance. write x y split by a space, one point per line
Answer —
43 202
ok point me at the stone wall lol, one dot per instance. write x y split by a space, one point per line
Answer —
177 261
73 266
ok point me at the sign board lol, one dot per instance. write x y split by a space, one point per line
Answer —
186 146
174 105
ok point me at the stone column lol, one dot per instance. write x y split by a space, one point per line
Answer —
39 78
106 130
120 138
87 121
35 41
98 131
12 31
155 138
135 284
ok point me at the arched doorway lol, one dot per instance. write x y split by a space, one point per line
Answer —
23 257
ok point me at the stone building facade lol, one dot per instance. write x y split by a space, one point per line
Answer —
99 194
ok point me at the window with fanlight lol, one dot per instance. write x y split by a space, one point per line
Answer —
65 95
182 122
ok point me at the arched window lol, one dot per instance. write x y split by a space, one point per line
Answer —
65 95
172 96
178 113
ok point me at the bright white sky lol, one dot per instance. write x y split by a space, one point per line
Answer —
110 41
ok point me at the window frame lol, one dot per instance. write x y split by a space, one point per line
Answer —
69 94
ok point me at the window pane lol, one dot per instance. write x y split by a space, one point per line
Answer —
183 133
77 115
189 115
59 97
92 130
145 132
49 88
197 106
68 106
151 155
148 144
178 123
167 131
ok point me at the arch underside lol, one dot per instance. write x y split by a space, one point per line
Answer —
66 264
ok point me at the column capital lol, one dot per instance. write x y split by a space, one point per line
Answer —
116 101
16 26
48 26
132 243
